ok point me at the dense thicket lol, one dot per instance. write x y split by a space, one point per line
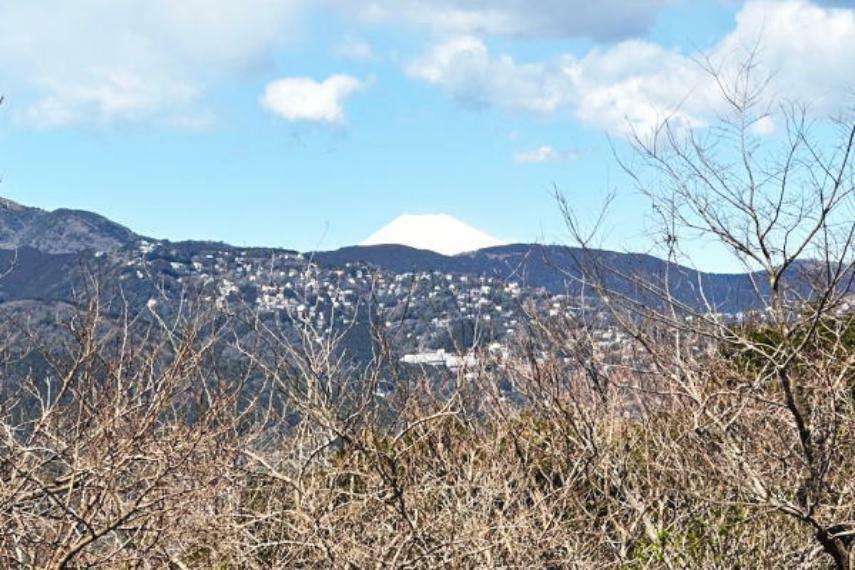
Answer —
183 437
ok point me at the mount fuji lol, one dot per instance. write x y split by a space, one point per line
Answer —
440 233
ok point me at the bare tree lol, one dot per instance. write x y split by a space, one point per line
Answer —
635 426
768 395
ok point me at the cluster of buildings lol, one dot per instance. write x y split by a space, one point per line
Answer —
432 318
421 312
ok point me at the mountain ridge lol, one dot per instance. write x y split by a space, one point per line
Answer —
59 231
71 236
562 269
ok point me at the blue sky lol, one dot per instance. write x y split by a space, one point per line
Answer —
309 124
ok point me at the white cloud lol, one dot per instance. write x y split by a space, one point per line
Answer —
636 83
67 63
353 49
809 50
95 61
465 67
543 153
527 18
765 125
105 95
305 99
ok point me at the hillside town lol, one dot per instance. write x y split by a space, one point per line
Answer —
432 318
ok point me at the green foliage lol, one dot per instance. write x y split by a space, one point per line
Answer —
760 347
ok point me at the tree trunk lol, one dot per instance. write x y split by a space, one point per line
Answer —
836 547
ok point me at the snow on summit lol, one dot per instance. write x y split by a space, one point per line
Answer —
437 232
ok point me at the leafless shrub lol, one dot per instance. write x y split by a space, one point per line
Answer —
208 437
762 405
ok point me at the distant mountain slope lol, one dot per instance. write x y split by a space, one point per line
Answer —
60 231
28 273
397 258
52 247
561 269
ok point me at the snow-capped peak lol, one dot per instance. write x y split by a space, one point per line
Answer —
437 232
